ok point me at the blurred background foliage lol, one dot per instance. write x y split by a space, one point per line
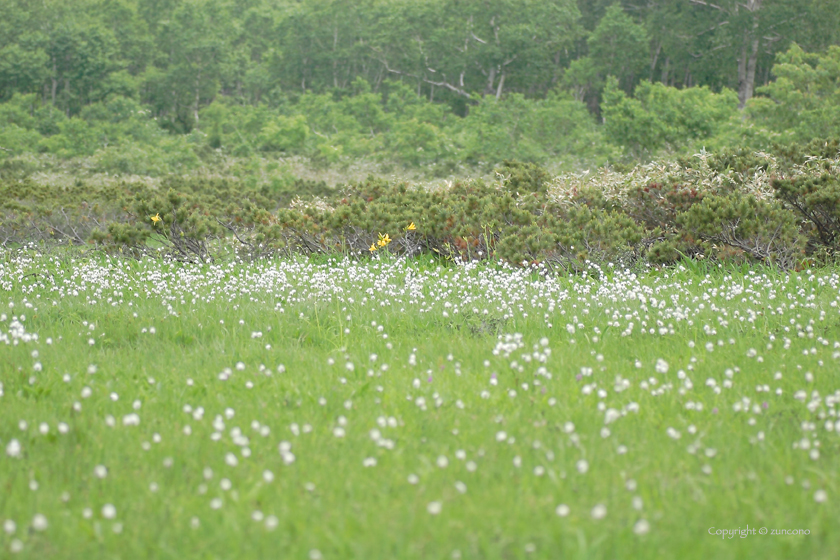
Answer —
260 89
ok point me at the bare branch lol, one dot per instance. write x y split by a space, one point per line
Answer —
709 5
424 79
235 233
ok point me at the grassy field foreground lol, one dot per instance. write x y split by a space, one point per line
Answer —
287 409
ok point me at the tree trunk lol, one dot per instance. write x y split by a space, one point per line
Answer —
655 59
746 70
334 55
751 69
556 75
54 87
491 78
667 64
305 62
749 57
742 76
195 109
197 98
501 85
379 77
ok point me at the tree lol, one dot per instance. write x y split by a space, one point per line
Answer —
471 48
723 43
194 40
21 70
804 101
660 117
326 44
618 47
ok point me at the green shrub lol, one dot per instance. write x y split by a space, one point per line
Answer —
524 177
715 205
743 161
759 229
817 200
31 211
659 117
657 205
285 134
798 154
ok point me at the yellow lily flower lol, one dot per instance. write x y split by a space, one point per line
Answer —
372 247
411 227
155 219
383 240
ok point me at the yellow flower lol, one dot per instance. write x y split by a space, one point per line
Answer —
411 227
383 240
372 247
155 219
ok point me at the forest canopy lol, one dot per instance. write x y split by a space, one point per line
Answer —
151 87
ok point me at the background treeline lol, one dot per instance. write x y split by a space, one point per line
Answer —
155 87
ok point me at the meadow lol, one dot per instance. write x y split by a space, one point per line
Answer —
415 408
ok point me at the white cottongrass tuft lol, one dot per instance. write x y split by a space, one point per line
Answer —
39 522
599 511
642 527
13 449
434 508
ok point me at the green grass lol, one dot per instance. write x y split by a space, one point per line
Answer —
326 500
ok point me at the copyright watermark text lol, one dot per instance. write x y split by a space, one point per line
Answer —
753 531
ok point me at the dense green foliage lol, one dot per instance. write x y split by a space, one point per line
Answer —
780 209
179 55
153 87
